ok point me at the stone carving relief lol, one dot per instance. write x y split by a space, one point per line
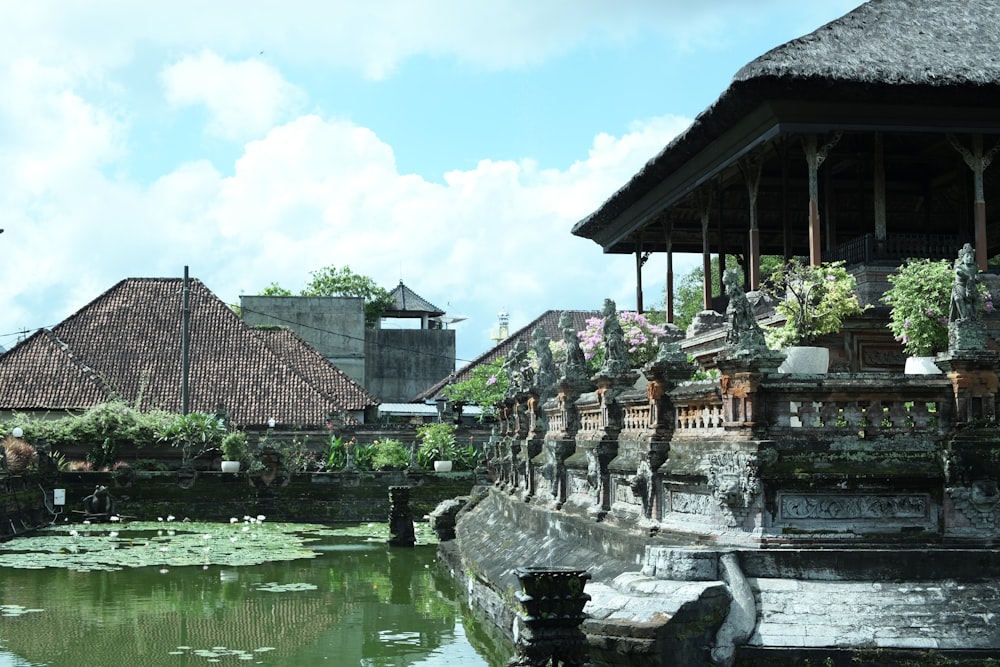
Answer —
733 478
794 506
641 486
978 503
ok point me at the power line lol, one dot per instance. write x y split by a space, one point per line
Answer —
347 336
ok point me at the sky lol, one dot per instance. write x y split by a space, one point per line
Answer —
446 143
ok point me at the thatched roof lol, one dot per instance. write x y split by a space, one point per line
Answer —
892 43
934 55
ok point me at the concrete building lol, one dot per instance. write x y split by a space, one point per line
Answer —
393 363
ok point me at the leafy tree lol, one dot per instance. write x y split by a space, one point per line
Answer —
274 289
485 387
331 281
689 295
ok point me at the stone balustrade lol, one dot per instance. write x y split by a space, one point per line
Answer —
738 458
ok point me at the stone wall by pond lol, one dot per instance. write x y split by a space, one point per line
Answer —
217 496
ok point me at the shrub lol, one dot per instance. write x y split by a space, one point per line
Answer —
642 339
437 443
234 446
390 455
468 457
336 453
920 298
815 300
195 433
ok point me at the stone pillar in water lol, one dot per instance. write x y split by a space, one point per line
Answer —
400 517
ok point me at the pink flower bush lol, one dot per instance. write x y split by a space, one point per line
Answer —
642 339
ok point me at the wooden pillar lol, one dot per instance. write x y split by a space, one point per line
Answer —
751 168
786 228
878 189
638 276
704 209
814 160
668 305
977 162
723 249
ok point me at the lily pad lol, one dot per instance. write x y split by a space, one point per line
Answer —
146 544
275 587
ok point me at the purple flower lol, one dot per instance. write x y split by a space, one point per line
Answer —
491 380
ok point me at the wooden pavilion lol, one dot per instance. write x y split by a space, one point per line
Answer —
867 140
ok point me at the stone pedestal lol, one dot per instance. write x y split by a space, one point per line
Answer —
973 374
400 517
549 629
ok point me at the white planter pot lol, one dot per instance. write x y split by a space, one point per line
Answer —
921 366
230 466
806 360
442 466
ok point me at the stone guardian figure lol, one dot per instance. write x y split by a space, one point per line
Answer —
742 330
965 299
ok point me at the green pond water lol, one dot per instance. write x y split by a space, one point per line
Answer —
182 596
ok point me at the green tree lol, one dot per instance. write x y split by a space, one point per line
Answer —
331 281
688 298
274 289
485 387
688 294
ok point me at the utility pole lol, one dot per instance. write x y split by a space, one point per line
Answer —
185 342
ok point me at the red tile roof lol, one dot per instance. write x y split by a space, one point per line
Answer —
131 337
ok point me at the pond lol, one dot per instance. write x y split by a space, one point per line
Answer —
349 599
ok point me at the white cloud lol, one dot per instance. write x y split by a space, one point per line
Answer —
244 99
315 192
374 37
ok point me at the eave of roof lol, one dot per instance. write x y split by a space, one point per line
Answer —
886 52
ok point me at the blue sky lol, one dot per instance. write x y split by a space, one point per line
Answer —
449 144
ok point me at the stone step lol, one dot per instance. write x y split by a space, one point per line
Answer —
921 615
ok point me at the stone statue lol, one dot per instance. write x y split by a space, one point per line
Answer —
743 332
545 378
575 365
615 356
965 291
99 503
519 374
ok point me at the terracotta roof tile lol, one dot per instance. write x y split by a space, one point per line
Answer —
131 335
315 368
42 373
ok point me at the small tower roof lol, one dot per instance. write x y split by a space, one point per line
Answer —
410 304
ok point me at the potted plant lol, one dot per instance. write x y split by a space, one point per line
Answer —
919 296
437 446
195 433
815 300
234 451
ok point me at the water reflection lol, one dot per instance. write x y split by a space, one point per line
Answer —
357 603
